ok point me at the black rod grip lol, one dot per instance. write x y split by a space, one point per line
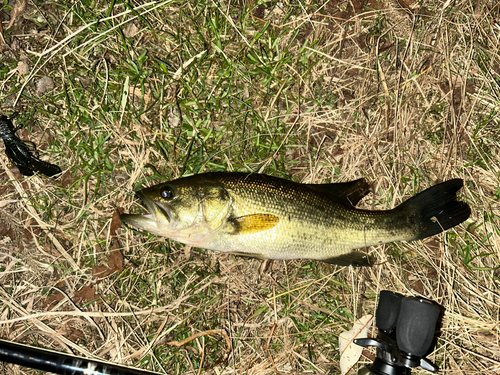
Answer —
59 363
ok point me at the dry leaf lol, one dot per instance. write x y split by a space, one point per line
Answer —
115 261
22 68
101 271
116 221
85 295
130 30
53 300
71 333
349 351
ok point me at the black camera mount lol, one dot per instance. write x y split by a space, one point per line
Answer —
407 327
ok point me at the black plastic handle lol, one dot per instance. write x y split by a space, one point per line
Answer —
416 326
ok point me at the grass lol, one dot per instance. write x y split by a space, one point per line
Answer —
402 95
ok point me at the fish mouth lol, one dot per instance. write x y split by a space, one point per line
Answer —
156 220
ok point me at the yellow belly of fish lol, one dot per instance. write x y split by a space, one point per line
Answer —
292 241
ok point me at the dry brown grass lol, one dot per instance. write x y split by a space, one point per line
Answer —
403 93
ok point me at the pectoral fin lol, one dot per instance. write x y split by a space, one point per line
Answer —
253 223
354 258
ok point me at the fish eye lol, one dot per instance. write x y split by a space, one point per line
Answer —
167 193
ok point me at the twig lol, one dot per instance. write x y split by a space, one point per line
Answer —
205 333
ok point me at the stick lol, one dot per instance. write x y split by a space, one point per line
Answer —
205 333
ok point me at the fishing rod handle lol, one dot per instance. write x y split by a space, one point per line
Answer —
59 363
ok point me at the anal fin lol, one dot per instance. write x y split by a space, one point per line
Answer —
354 258
249 255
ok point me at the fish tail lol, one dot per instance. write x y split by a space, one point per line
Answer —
436 209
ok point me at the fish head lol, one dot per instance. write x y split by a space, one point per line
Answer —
182 210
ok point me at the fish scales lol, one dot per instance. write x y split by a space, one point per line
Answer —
309 222
272 218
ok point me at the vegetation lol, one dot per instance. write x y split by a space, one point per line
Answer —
123 95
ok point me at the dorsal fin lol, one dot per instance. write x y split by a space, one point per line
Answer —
348 193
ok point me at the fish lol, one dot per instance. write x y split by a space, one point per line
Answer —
266 217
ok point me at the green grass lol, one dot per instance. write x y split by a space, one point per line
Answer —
314 92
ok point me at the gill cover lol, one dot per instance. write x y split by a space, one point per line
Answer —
214 205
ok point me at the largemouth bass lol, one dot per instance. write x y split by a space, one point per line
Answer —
271 218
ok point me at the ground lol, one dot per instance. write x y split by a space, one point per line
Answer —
122 95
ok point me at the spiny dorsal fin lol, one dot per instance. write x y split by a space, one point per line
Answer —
349 193
253 223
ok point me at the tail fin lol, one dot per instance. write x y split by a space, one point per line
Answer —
437 208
